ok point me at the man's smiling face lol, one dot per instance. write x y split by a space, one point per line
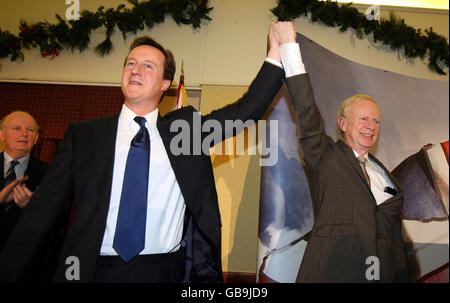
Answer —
361 125
142 77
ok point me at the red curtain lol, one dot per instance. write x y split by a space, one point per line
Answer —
55 106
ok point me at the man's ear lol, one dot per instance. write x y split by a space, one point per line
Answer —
166 85
342 122
36 139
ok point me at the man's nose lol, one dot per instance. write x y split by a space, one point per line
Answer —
23 133
136 70
372 125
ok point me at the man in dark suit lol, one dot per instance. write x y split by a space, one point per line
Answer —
21 175
356 235
21 172
181 235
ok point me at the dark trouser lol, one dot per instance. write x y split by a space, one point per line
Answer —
155 268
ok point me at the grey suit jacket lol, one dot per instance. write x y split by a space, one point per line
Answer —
349 226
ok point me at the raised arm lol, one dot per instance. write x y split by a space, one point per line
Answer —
312 135
262 91
313 139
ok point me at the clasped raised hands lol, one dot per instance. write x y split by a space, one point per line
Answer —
280 33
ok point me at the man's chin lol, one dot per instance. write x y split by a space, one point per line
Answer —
133 98
367 147
132 90
368 142
23 148
20 153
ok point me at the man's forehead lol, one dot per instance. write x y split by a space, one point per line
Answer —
364 105
146 51
19 117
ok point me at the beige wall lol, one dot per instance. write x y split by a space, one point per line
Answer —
237 180
221 57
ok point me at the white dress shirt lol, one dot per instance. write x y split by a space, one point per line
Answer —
165 206
20 167
379 180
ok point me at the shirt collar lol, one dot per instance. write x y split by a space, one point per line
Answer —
366 155
22 161
127 117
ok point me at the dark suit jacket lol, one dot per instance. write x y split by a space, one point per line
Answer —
349 226
84 166
8 219
47 255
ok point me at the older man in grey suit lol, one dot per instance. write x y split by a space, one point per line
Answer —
356 235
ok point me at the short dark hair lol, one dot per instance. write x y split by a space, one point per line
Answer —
169 64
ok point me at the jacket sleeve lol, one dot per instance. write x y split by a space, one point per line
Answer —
313 140
253 104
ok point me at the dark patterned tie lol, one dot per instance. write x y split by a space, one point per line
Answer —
129 237
362 161
11 174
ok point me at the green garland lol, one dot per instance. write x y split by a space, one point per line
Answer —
76 34
393 32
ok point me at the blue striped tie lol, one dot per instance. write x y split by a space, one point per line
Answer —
129 238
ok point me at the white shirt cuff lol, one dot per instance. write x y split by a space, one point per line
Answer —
274 62
291 58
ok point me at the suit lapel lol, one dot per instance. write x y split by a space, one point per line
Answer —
30 171
163 125
351 159
104 140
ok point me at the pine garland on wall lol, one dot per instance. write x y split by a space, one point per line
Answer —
393 31
76 34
